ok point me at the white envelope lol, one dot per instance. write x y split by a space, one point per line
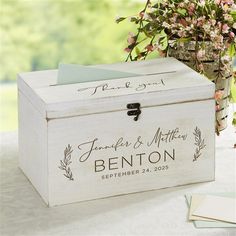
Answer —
217 208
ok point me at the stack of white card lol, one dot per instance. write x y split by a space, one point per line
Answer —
208 210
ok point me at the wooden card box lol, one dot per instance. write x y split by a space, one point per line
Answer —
92 140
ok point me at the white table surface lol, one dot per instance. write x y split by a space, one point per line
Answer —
159 212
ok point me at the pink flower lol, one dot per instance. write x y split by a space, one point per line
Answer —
183 22
215 56
231 35
213 22
127 50
217 107
190 12
225 28
219 94
191 6
201 21
228 17
162 53
149 48
225 59
202 3
201 53
166 25
207 27
181 34
229 2
130 39
141 14
201 67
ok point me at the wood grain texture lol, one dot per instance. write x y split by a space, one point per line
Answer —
81 146
33 145
173 82
107 128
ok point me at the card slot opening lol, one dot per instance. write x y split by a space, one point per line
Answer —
158 73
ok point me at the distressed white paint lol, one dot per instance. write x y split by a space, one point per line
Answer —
53 116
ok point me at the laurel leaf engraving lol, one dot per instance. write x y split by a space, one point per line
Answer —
199 142
66 162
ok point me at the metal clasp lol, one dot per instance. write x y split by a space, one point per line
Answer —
135 110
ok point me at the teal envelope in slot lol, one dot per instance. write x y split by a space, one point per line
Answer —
73 73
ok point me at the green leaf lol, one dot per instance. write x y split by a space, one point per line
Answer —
134 19
182 11
233 91
119 19
163 42
234 122
184 40
137 51
163 33
233 14
232 50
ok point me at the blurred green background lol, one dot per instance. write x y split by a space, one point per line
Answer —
38 34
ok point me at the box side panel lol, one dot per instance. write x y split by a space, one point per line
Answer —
33 145
109 154
30 94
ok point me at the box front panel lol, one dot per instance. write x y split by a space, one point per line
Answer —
108 154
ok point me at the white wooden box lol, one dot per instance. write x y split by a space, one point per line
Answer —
77 141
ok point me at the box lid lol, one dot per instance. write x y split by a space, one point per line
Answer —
161 81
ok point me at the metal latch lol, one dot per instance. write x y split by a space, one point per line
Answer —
135 110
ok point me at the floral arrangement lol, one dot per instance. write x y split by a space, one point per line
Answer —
166 24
